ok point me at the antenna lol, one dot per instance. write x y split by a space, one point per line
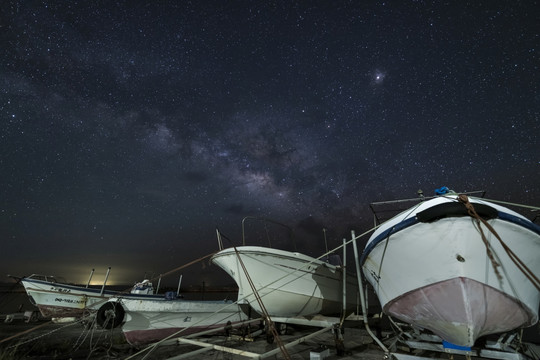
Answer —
325 243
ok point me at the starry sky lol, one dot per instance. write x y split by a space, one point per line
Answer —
132 129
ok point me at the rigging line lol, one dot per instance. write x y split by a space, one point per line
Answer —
263 308
382 260
472 212
409 212
184 266
517 261
39 336
514 204
25 332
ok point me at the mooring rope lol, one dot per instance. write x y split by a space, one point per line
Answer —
517 261
25 331
263 308
39 336
183 266
472 212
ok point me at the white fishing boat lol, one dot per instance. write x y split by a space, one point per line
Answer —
287 283
460 266
151 318
61 300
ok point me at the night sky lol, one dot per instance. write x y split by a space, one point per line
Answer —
131 130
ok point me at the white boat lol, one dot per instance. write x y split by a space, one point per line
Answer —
430 267
288 283
146 319
60 300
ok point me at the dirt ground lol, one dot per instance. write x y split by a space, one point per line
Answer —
46 340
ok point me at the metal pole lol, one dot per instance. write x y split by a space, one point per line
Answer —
205 345
362 298
344 274
158 283
179 282
105 281
219 241
90 278
296 342
325 242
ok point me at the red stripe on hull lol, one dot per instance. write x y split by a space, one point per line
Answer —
59 311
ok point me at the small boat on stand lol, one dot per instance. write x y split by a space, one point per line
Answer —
58 299
150 318
459 266
147 320
288 284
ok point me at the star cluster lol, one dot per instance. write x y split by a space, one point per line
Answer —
131 130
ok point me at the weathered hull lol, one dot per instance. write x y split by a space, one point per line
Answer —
436 274
61 300
460 310
149 321
289 284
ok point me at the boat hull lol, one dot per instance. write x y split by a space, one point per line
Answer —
289 284
60 300
151 320
437 274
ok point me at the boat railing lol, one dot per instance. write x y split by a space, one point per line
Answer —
267 233
384 210
265 221
47 278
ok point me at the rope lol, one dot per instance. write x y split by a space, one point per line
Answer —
25 332
40 336
517 261
263 308
472 212
533 208
184 266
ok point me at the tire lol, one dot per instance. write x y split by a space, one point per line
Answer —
281 328
110 315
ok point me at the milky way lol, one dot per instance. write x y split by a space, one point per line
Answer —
131 130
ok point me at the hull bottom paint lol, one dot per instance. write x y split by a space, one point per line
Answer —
460 310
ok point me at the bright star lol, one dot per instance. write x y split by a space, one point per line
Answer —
378 77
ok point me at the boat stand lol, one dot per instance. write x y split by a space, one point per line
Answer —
207 346
325 322
419 345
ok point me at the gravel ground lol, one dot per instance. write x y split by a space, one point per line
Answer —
45 340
